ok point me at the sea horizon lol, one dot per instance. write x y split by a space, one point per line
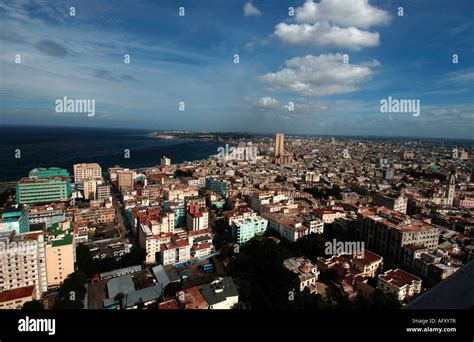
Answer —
23 148
263 134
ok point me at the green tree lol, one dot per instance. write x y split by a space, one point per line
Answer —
240 306
173 287
382 300
33 305
72 291
120 297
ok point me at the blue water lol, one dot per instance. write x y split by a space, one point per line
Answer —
63 147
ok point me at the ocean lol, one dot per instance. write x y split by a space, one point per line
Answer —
64 146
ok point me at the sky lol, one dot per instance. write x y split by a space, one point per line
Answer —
304 66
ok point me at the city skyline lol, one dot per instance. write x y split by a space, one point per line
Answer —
191 58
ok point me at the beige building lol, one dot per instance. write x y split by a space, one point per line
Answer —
307 273
90 187
60 258
387 232
279 145
368 263
125 180
83 171
94 215
463 155
328 216
179 192
14 299
393 203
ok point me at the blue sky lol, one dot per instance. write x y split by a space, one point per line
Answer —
283 59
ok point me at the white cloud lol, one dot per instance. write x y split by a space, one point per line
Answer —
251 10
323 34
321 75
267 102
357 13
461 76
455 112
272 108
338 23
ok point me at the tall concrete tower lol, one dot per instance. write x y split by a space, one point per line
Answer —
451 187
279 144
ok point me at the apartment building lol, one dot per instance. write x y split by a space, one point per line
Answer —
94 215
221 294
152 242
90 187
42 190
14 219
245 229
60 253
241 213
368 264
84 171
307 273
23 262
197 218
395 203
176 251
179 192
102 192
217 185
47 213
402 284
261 198
328 215
125 180
16 298
387 232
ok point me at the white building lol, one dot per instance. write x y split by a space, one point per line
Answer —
23 262
402 284
165 161
197 218
221 294
307 273
175 252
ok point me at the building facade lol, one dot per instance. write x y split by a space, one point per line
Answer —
84 170
245 229
15 219
42 190
23 262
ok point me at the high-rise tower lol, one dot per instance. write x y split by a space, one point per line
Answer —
279 145
451 188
